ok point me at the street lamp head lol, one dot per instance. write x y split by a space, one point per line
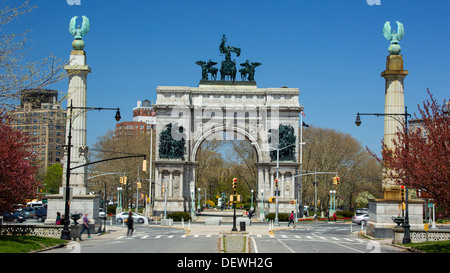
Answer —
358 120
118 117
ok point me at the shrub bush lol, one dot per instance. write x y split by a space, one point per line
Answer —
176 216
282 217
345 214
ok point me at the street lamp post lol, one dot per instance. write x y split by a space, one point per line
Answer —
165 198
406 226
65 233
198 204
262 206
332 201
251 206
192 204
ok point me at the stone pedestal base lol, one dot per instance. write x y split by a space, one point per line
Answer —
173 205
380 223
80 204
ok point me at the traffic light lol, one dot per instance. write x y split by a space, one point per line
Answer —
276 183
336 180
144 165
234 183
292 202
139 184
123 180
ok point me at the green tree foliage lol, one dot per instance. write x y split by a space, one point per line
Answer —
53 178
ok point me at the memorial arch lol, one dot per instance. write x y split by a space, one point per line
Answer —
228 110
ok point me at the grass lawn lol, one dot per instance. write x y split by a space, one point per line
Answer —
25 244
431 246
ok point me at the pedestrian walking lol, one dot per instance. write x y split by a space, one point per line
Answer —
334 217
130 225
85 226
328 216
291 219
58 218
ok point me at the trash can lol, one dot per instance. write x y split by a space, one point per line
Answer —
242 226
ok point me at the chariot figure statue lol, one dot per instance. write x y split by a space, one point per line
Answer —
228 67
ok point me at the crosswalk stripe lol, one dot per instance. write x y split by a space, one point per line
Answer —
307 237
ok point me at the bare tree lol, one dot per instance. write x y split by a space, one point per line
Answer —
328 150
111 146
16 74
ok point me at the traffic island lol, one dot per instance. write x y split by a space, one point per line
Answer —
234 242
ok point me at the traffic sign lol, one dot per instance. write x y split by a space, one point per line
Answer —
426 227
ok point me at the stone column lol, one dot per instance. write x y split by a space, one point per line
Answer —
77 97
394 104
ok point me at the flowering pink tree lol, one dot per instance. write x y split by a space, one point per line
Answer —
17 169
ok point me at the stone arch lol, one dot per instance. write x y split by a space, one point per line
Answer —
222 128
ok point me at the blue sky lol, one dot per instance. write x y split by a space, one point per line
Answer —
332 50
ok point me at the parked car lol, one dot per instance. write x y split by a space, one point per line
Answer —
28 212
102 214
361 211
360 219
14 217
124 215
41 214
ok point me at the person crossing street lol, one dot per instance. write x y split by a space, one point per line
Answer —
291 219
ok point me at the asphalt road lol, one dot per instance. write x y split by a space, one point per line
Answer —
305 238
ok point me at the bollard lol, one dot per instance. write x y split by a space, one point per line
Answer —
182 222
189 225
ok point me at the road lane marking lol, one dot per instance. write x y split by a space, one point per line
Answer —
255 248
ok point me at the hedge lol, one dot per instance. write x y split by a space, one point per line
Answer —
176 216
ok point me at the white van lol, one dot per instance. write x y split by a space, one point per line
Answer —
35 204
